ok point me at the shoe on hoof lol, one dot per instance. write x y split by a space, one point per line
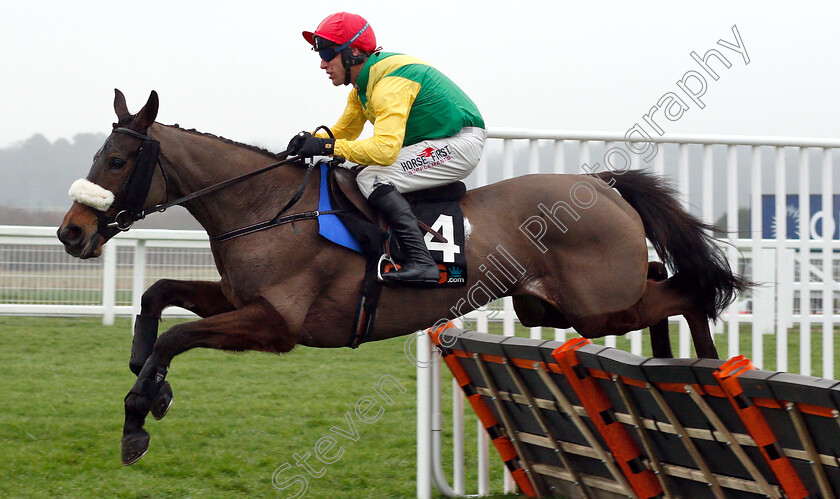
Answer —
163 401
134 447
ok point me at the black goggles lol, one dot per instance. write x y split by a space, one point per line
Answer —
328 49
329 54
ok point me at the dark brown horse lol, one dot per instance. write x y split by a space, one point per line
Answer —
569 249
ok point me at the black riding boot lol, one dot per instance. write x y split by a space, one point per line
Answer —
419 267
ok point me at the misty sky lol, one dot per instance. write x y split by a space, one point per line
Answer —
242 69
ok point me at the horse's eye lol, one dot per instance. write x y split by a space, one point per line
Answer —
116 163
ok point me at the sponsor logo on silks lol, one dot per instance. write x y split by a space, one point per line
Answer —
456 274
426 153
426 159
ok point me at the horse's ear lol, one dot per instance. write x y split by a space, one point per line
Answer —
119 105
147 115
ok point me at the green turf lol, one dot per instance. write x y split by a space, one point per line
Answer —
236 419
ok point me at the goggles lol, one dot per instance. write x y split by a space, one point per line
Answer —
328 49
329 53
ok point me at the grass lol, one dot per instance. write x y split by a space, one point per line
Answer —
235 420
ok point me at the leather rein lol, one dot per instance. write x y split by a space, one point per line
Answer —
136 190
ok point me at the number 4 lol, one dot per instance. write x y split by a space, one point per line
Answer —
445 227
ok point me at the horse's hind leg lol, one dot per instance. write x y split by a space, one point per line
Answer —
664 299
704 345
660 337
256 326
659 301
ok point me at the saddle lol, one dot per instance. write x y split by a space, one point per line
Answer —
371 238
346 195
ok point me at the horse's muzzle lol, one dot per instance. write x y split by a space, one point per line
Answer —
77 244
70 235
78 233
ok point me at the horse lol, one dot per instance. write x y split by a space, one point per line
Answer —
570 249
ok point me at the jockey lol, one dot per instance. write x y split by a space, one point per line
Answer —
426 131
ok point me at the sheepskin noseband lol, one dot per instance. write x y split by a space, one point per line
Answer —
89 194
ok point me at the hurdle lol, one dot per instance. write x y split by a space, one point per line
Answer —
582 420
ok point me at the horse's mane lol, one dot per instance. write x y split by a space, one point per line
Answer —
261 150
126 121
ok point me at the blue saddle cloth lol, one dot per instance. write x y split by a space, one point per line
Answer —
330 225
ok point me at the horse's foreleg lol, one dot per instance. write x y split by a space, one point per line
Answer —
257 326
203 298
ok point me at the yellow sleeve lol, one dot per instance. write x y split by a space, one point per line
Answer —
351 122
390 104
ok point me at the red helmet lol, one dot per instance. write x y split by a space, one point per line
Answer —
344 28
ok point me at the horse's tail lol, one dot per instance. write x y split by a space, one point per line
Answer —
683 242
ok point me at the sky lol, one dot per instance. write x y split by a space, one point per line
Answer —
242 70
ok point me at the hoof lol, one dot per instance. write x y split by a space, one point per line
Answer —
161 404
134 446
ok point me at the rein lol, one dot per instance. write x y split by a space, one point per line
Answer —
279 219
137 187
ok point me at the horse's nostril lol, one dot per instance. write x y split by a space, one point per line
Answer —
70 235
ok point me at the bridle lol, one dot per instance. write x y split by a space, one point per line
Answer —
129 202
133 195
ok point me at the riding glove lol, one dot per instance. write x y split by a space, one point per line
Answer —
307 145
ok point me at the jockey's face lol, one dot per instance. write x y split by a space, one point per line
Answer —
334 69
336 72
